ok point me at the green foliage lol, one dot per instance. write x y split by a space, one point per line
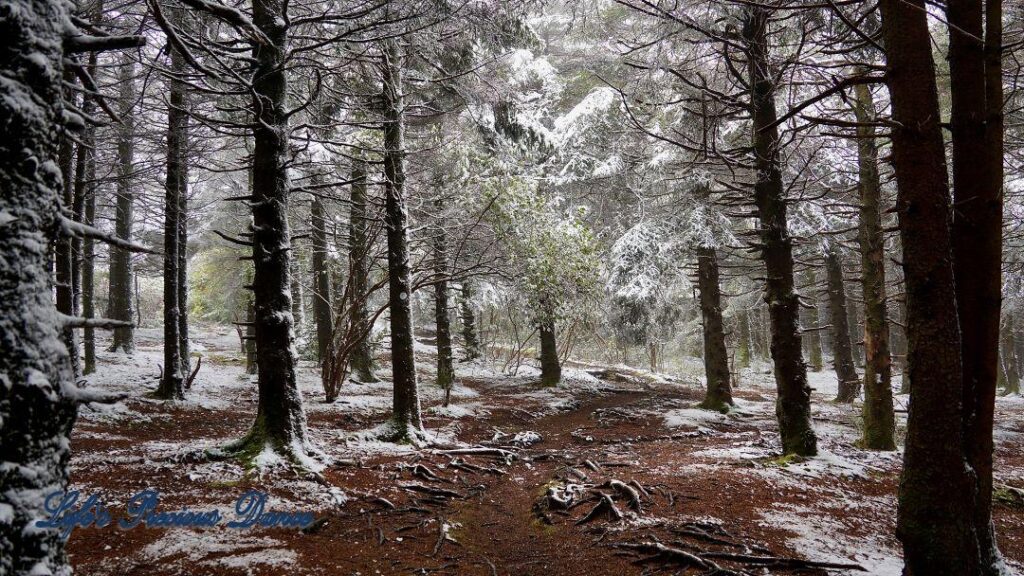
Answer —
216 281
552 253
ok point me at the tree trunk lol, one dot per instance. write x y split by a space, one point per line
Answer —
280 419
184 350
250 338
406 401
976 127
321 283
842 349
89 262
812 336
361 357
1009 357
470 340
122 275
172 385
743 345
793 405
64 252
550 366
445 370
879 419
36 404
936 489
718 394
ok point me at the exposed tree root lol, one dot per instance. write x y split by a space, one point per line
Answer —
605 507
706 559
431 491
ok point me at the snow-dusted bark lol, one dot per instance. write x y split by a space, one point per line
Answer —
280 418
406 402
172 385
37 405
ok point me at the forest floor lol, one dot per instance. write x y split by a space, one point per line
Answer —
709 484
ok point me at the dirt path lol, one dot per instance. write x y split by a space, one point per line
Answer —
700 496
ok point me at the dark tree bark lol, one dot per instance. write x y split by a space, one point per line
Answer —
250 338
361 357
298 295
550 366
406 401
321 282
470 340
1008 356
879 418
89 261
976 126
812 336
120 304
718 394
64 251
280 419
842 349
184 350
793 405
172 385
37 407
934 518
744 345
445 370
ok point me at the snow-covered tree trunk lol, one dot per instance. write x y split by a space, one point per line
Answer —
936 493
361 357
879 418
470 340
793 405
120 304
280 419
321 281
718 393
842 349
172 385
37 407
406 401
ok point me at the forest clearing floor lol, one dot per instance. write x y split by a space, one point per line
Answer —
692 480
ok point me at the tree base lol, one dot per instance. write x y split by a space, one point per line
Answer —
259 450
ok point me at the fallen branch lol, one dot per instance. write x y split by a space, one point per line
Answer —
192 376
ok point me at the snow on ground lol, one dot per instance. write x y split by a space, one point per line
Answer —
743 441
829 540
